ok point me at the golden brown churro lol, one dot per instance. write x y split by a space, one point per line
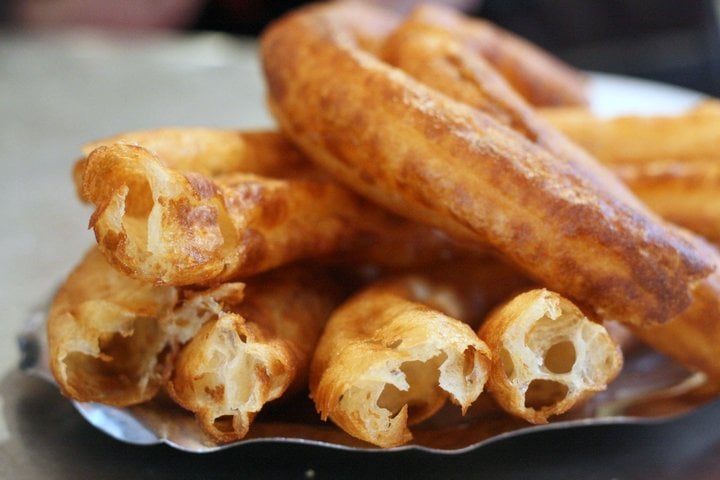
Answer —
256 348
387 360
567 223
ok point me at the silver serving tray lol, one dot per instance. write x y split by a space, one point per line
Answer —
650 389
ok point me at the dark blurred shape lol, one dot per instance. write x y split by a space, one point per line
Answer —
251 16
671 41
664 40
247 17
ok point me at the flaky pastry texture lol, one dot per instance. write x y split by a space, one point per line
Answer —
547 356
113 339
386 360
253 352
208 151
105 338
167 227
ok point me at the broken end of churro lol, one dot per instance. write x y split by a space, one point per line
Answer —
385 363
155 223
105 335
548 356
228 372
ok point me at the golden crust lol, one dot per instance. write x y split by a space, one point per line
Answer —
669 161
635 139
693 337
105 337
208 151
540 78
547 356
253 352
113 339
566 223
166 227
386 360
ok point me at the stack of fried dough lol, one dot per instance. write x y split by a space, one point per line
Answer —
439 218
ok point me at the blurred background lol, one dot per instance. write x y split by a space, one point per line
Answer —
666 40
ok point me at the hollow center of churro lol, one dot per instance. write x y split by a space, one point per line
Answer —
125 361
138 205
551 339
422 393
544 393
560 357
224 424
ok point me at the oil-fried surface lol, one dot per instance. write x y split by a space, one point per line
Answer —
439 161
547 356
253 351
105 335
670 162
390 358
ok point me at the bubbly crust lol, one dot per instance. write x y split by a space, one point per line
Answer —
208 151
568 224
252 352
693 337
547 356
540 78
160 225
387 360
670 161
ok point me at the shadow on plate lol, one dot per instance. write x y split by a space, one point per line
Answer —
49 439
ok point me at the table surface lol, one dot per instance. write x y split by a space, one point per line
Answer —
60 89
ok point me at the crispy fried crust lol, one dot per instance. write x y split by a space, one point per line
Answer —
693 337
670 162
635 139
208 151
105 337
387 360
540 78
113 339
547 356
252 352
163 226
438 55
442 162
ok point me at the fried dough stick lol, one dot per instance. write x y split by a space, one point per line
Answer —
387 360
254 351
693 337
547 356
687 136
213 151
112 339
447 66
565 221
438 55
209 151
104 335
537 76
163 226
670 162
175 226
